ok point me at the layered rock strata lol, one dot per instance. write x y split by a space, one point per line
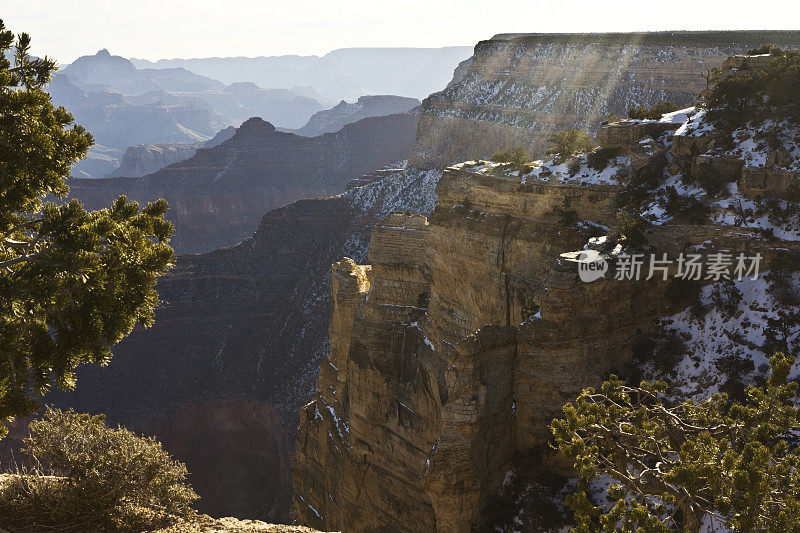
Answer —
519 88
455 347
459 342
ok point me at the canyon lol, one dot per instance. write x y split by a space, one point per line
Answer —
218 196
239 337
246 330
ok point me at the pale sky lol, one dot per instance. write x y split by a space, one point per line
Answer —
155 29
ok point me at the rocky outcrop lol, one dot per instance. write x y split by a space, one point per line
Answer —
218 196
737 64
464 341
759 182
627 132
333 119
144 159
519 88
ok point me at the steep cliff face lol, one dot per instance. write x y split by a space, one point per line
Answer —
519 88
459 342
441 364
218 196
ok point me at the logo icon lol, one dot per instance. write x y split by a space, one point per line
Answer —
591 266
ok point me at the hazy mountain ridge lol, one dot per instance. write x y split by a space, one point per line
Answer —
123 106
237 101
343 74
218 196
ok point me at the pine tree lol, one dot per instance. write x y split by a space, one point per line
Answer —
569 142
72 282
675 464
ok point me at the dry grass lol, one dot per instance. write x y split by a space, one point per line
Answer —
206 524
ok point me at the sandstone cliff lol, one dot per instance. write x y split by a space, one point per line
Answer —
218 196
519 88
440 366
453 349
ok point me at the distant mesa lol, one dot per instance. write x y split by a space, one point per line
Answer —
343 74
335 118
